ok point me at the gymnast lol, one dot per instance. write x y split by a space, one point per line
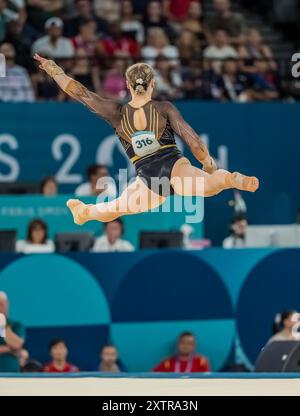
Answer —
146 130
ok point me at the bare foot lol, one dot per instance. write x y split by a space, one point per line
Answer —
244 183
79 211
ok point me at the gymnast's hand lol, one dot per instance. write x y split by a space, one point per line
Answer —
42 61
209 165
48 66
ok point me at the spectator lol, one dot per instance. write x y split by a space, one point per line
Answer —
200 82
233 85
49 186
219 50
131 27
238 229
11 12
189 79
285 326
117 44
253 49
223 18
186 359
263 86
5 17
85 72
168 80
109 359
59 353
20 35
112 240
87 37
41 10
188 46
158 44
194 21
114 85
12 344
53 45
95 173
37 239
16 86
84 9
154 17
108 10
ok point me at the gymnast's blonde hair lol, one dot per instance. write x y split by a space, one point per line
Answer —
139 77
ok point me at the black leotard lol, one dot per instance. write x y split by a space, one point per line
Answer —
153 150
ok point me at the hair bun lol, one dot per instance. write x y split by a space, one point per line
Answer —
139 81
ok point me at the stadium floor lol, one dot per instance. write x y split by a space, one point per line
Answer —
138 385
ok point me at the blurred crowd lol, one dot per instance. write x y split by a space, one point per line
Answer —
14 356
218 57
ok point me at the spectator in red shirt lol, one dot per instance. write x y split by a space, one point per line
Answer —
59 353
186 360
116 44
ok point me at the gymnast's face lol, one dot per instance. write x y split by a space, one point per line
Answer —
186 345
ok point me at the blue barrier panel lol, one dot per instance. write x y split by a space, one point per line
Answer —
142 301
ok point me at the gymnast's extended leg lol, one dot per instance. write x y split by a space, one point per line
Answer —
187 180
135 199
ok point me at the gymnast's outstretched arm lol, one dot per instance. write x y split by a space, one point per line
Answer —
193 140
97 104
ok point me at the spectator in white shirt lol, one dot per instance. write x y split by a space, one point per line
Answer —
54 45
219 50
16 85
95 174
238 229
37 239
158 44
111 241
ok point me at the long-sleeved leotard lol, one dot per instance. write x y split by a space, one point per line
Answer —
163 119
